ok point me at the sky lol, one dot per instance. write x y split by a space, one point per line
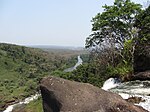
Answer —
48 22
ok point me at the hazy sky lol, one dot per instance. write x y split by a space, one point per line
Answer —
48 22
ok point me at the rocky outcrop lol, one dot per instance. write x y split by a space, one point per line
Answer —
69 96
135 99
141 75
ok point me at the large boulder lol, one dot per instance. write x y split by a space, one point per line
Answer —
60 95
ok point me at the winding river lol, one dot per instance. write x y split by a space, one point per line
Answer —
80 61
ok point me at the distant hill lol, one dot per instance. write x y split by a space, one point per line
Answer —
57 47
65 52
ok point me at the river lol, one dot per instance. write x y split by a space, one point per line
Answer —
79 62
130 89
26 101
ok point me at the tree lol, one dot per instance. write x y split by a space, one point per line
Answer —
143 24
113 26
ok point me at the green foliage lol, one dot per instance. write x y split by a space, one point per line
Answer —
120 71
143 24
84 73
128 51
114 37
116 22
61 74
70 62
21 69
85 58
87 73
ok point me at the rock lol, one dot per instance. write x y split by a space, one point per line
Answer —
136 100
11 101
19 108
2 107
60 95
142 76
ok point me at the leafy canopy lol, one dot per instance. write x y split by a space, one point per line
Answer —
114 24
143 24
